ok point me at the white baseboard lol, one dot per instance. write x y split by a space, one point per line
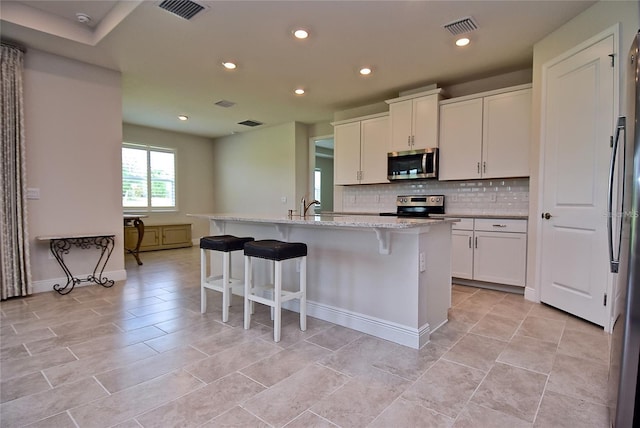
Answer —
47 284
397 333
531 294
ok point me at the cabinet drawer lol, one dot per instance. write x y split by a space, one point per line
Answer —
500 225
463 224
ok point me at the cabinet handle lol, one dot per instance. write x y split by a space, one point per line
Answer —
499 225
476 242
469 242
409 140
413 140
484 167
478 167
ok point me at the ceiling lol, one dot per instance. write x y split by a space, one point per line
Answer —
172 66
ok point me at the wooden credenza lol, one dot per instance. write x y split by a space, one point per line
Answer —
159 237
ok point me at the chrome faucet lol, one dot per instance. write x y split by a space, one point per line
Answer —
304 207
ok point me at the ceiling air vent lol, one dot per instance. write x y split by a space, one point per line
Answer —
185 9
250 122
461 26
225 103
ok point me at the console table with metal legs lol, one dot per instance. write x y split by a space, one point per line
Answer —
60 245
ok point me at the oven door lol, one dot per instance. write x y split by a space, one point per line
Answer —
414 164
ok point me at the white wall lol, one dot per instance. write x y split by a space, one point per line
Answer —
256 169
594 20
195 174
73 130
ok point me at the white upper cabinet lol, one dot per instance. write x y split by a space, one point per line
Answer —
373 150
360 151
461 140
486 136
346 153
506 134
413 121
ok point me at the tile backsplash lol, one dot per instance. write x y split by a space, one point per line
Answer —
486 197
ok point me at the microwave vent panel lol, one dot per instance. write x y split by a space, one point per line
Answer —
461 26
185 9
250 122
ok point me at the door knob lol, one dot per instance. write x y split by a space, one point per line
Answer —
546 216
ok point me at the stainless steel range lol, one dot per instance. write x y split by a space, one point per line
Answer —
418 206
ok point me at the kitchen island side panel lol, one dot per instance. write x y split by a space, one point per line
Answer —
435 283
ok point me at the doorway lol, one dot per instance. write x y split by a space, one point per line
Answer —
321 171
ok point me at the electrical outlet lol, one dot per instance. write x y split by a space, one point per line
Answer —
493 197
33 193
352 199
283 199
376 198
423 263
453 198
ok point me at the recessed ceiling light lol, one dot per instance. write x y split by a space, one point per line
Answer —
300 33
365 71
229 65
299 91
462 42
183 117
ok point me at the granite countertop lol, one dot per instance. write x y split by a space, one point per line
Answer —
331 220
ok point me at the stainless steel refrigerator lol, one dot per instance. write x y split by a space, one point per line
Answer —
624 251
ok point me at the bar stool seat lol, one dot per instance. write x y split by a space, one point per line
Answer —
224 283
278 252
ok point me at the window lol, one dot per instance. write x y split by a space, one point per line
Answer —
148 178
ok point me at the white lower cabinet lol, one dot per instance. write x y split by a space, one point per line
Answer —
462 249
490 250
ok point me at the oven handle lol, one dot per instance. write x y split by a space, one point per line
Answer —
424 163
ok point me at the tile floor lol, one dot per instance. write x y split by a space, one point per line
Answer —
141 354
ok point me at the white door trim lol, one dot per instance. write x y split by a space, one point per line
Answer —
614 30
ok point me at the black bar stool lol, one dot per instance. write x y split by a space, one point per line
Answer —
226 244
276 251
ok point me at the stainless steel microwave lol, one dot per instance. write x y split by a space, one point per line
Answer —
412 164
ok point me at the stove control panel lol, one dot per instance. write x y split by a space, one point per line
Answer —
420 201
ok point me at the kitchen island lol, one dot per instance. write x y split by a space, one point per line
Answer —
385 276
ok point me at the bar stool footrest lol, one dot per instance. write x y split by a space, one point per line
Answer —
216 283
286 296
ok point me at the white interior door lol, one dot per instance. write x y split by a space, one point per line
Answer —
578 121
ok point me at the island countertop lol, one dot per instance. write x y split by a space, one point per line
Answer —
331 220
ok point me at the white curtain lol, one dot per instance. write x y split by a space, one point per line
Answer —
14 242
